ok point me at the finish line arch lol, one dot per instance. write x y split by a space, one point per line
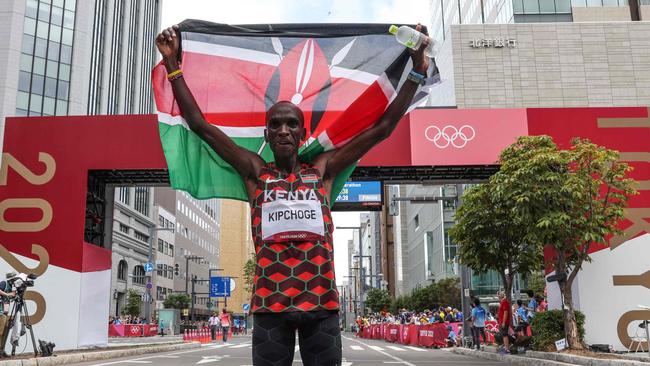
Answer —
55 171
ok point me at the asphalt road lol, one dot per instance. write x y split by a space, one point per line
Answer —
355 352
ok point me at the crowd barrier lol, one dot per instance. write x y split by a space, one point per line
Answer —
132 330
428 335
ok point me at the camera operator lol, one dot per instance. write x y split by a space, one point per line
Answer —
6 294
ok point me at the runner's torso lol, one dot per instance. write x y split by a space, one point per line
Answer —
292 231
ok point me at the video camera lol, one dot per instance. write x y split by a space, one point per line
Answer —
21 281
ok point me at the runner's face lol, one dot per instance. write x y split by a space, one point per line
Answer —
285 129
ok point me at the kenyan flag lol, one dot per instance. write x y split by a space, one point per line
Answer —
342 76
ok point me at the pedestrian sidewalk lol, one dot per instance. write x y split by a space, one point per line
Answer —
114 349
553 358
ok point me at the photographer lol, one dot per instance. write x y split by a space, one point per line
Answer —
6 294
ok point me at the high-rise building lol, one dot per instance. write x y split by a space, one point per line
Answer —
515 54
70 57
196 248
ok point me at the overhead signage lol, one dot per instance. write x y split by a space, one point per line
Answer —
220 286
359 196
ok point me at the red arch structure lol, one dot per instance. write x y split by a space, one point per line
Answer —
54 200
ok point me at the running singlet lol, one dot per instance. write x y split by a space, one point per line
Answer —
292 231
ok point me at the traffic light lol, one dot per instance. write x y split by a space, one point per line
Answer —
176 269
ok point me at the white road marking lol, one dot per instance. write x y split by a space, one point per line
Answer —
357 348
396 348
209 359
416 349
382 352
296 348
376 348
240 345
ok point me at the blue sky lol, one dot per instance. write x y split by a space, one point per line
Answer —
296 11
303 11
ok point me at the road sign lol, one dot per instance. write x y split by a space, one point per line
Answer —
246 307
149 285
148 267
219 286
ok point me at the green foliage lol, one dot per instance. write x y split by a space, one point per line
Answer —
449 292
548 327
177 301
133 303
249 274
377 300
543 196
446 292
536 282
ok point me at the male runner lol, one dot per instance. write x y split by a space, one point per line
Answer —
290 216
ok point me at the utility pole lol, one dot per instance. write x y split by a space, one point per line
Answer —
465 275
187 268
148 275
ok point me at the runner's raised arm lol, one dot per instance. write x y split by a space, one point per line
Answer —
247 163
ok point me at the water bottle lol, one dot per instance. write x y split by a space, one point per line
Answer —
411 38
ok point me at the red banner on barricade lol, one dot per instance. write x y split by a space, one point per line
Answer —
491 327
425 335
132 330
403 334
440 334
392 333
376 331
413 334
366 332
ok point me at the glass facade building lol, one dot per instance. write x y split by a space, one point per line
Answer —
45 58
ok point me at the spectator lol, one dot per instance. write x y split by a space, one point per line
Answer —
504 319
451 338
531 308
225 324
522 318
478 323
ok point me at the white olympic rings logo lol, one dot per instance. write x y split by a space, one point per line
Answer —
450 135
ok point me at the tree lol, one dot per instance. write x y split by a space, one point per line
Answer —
378 300
449 292
249 274
177 301
133 303
569 200
491 237
536 282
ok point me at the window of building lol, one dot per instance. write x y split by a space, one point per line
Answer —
451 249
543 6
124 228
161 245
159 269
171 250
138 275
124 194
140 236
428 242
416 220
600 2
161 221
141 203
44 83
122 270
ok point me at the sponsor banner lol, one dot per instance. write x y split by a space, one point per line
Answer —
463 136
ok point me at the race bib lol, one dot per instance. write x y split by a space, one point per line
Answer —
292 220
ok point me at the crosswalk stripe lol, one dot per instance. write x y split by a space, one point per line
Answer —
416 349
396 348
356 348
376 348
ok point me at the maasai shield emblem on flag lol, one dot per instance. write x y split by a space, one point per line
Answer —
342 76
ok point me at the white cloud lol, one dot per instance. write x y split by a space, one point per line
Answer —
296 11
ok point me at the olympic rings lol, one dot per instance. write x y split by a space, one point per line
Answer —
450 135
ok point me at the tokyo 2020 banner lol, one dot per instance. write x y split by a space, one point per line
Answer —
44 184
